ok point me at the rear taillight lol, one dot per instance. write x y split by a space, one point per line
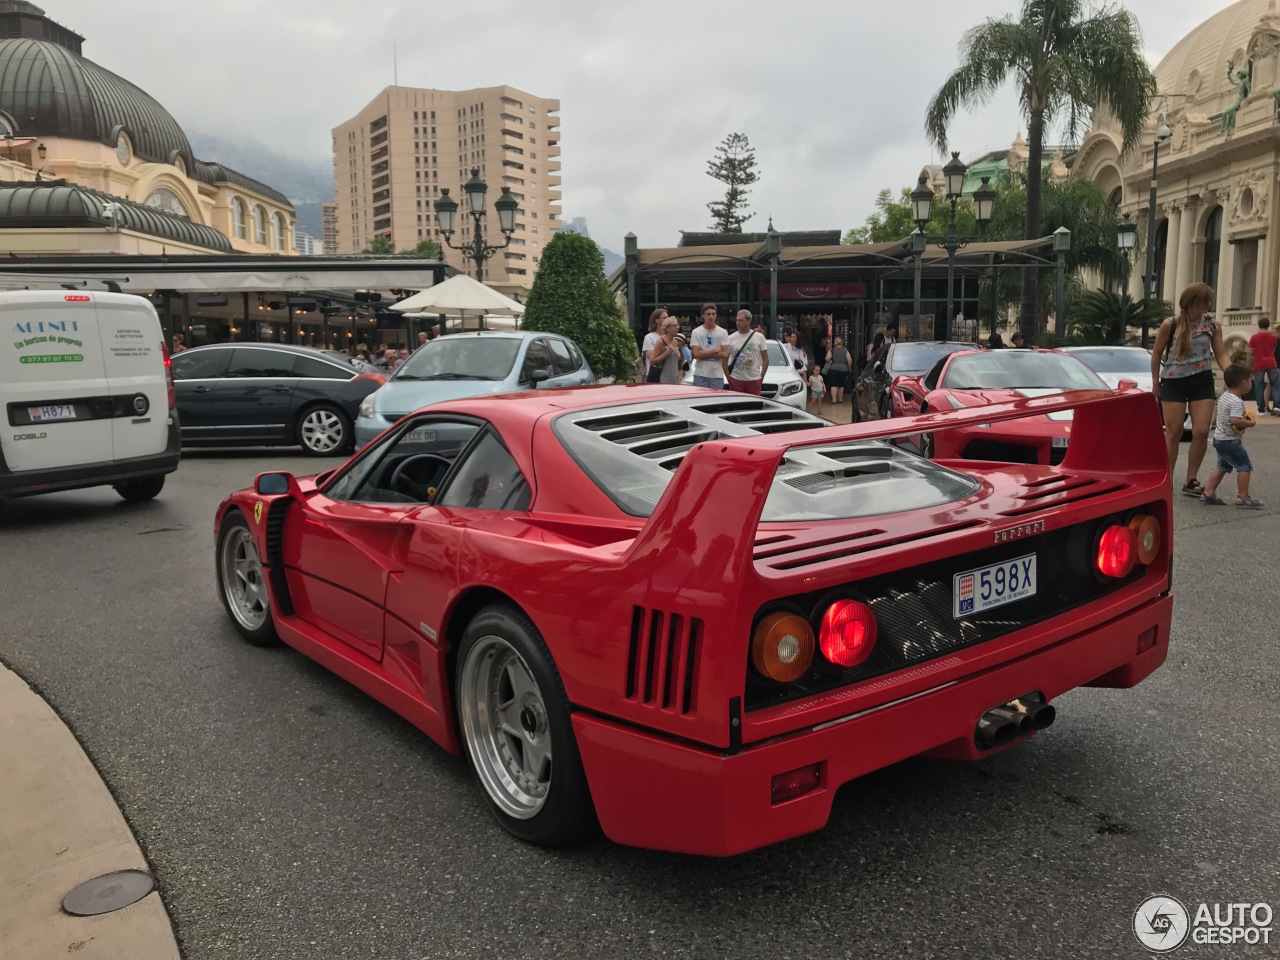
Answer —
168 375
848 633
782 647
1117 552
1146 529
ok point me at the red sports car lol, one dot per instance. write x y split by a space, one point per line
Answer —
686 618
975 378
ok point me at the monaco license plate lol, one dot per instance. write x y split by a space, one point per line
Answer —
48 414
993 586
420 436
1060 441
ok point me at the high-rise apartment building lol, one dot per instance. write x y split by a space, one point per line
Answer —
329 226
392 160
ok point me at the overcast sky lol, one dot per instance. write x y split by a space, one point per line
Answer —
831 93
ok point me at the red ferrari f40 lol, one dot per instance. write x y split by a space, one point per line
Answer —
685 617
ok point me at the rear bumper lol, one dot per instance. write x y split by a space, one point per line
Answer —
26 483
657 793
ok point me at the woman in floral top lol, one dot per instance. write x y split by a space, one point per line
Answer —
1187 345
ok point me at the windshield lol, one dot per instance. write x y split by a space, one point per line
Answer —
917 358
632 452
1016 370
1119 360
776 356
461 357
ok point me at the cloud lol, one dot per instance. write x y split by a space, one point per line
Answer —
832 93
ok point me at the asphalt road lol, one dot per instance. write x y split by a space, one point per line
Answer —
287 815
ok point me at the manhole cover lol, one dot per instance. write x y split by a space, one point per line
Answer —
108 893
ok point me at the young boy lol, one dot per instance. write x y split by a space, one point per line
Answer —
1229 424
817 390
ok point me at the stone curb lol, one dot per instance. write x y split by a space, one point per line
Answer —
60 826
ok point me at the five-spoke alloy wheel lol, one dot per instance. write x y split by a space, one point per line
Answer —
514 721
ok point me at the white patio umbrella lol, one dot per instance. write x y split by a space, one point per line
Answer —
460 296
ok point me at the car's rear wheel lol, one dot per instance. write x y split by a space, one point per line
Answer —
516 729
137 491
242 585
324 430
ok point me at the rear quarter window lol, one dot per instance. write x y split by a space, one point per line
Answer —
197 365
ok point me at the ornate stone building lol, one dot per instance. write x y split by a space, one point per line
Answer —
1217 219
90 163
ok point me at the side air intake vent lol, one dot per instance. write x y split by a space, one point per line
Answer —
275 553
662 664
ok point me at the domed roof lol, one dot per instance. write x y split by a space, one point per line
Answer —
1197 65
47 90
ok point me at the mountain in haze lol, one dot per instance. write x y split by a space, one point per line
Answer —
307 183
612 261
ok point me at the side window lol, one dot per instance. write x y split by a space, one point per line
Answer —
487 479
200 364
564 362
406 468
317 369
931 378
537 357
573 352
256 362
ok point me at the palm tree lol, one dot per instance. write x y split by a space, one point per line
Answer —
1097 316
1066 61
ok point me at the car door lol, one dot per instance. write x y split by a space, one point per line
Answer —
353 537
195 374
253 400
567 370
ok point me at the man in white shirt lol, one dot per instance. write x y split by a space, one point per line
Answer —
709 344
748 358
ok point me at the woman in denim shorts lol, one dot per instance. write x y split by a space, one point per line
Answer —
1187 345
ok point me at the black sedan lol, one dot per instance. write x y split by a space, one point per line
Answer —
871 396
269 394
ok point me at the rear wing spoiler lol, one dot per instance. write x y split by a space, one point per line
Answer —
720 488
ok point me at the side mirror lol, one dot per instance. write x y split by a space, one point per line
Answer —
274 484
1127 385
538 376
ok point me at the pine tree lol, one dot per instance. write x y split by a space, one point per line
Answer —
735 167
571 297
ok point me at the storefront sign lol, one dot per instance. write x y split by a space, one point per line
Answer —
842 290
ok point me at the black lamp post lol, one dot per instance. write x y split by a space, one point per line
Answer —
1163 135
475 248
1061 247
921 206
43 151
1126 236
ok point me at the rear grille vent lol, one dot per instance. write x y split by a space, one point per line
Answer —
801 553
275 553
1053 492
662 662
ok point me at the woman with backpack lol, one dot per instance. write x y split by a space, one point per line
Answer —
1187 345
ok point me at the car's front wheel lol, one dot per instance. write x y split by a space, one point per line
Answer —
324 431
514 718
242 585
140 490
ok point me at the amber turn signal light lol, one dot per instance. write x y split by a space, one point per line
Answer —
782 647
1147 530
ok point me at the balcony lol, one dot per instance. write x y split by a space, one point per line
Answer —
510 149
379 153
512 133
513 165
514 181
379 138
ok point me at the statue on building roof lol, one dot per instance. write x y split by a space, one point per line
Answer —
1242 81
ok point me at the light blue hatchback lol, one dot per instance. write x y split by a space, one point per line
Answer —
472 365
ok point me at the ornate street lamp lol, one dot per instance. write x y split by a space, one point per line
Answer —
1061 247
1126 237
1163 135
476 249
984 199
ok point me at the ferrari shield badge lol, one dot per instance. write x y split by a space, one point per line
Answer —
257 512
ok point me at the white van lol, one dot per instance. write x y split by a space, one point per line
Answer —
86 394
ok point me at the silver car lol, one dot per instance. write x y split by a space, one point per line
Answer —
1117 363
781 381
472 365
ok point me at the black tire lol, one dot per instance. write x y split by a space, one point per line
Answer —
334 439
260 635
566 814
140 490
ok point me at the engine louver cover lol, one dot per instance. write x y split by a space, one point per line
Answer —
662 661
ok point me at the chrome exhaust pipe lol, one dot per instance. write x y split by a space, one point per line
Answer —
996 728
1000 726
1034 713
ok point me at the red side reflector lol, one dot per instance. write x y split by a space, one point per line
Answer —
1146 640
796 783
76 298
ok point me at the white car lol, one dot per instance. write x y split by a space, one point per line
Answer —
1117 363
782 382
